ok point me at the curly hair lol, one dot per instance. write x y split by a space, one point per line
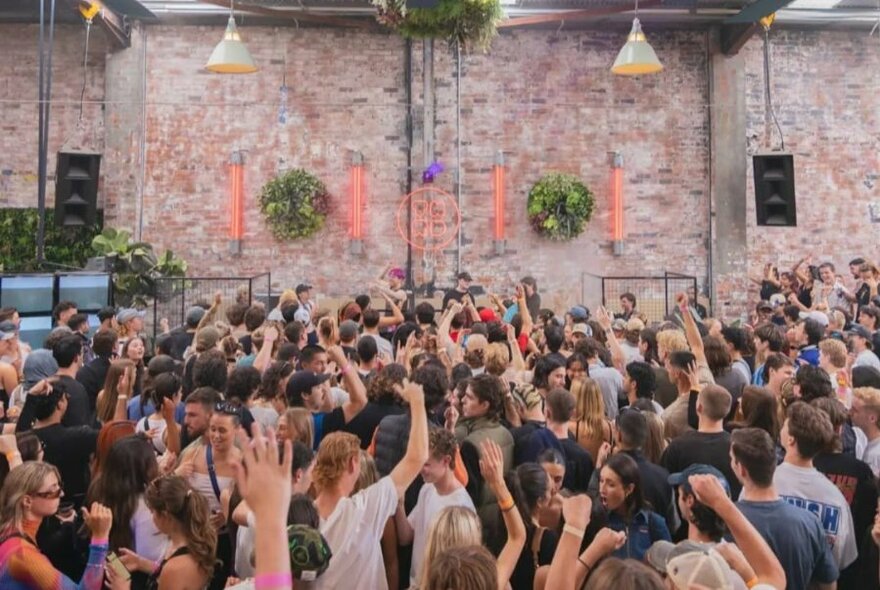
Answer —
381 387
443 443
489 389
335 451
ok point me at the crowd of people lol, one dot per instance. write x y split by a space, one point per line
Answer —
388 445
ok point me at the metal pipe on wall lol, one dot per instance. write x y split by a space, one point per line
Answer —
458 150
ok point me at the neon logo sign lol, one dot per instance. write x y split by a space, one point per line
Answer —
436 218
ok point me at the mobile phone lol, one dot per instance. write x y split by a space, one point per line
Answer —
116 564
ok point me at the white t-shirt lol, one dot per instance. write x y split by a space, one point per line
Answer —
148 541
867 358
382 345
244 547
354 531
809 489
157 439
871 456
429 505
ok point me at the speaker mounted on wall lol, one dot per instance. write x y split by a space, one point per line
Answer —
775 202
76 188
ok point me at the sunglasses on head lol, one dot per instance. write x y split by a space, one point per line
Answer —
229 408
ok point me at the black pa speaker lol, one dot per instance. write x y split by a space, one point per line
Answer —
774 189
76 188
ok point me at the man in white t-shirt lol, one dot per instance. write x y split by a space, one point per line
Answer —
865 415
440 491
805 432
353 525
862 341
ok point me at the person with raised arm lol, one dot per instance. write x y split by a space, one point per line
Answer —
353 525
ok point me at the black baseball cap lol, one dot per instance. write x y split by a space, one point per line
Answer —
860 330
302 382
681 479
303 287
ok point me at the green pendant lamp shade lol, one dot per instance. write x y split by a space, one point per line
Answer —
231 56
637 56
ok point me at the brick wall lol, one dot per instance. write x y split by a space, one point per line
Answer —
545 99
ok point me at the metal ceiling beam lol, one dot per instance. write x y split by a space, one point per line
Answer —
571 15
113 24
734 37
297 15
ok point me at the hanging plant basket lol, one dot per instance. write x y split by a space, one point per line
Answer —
295 204
472 23
559 206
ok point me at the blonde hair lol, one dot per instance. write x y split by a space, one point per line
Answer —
287 296
497 358
671 341
369 473
300 421
106 405
589 406
454 526
835 350
331 463
836 320
22 481
870 396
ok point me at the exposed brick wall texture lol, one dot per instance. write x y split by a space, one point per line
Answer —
545 99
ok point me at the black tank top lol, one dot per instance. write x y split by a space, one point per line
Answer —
153 581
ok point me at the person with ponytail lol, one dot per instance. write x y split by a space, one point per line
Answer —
31 493
531 490
164 394
182 514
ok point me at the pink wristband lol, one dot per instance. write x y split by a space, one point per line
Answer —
100 541
271 581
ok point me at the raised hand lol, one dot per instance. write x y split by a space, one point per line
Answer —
603 454
576 510
99 520
410 392
607 541
604 318
263 478
491 462
708 490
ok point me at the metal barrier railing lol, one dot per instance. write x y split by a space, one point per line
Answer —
655 296
174 295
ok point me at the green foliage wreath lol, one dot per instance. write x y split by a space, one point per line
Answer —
559 206
295 204
472 23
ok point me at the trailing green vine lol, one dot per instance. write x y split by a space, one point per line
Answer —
559 206
472 23
295 204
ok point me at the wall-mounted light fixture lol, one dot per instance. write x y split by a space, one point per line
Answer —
357 203
236 201
498 196
617 203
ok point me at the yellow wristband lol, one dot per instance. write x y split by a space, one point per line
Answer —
10 455
506 504
752 583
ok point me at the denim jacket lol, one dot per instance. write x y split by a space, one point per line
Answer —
645 528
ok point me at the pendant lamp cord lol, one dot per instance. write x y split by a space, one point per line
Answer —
82 94
767 94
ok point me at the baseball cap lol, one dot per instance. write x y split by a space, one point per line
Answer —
302 288
855 330
487 315
618 324
765 306
309 552
302 382
704 569
579 313
464 276
817 316
8 331
777 299
39 364
582 329
194 315
661 553
348 330
207 338
681 478
126 314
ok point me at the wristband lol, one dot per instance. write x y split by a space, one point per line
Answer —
506 504
104 541
572 530
345 369
752 583
584 563
11 455
267 581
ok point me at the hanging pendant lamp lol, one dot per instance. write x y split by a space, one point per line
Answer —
637 56
231 56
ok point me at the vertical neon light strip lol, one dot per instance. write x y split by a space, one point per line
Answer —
499 201
617 203
357 197
236 209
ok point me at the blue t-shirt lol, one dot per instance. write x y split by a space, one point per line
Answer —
809 355
133 410
797 539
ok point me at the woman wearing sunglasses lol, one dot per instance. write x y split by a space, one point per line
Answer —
31 493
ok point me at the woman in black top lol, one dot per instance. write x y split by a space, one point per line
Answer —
183 515
531 490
